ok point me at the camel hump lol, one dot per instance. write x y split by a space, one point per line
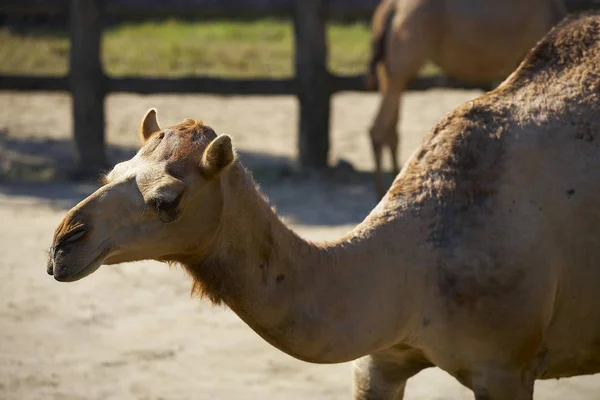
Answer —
573 42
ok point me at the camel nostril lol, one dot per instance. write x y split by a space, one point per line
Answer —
71 236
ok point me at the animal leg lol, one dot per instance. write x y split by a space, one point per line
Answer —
393 145
500 384
386 121
378 379
407 47
377 147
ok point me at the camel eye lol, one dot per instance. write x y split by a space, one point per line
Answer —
166 209
162 204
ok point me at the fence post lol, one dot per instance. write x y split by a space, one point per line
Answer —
312 82
87 84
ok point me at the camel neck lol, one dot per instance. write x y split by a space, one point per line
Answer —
300 296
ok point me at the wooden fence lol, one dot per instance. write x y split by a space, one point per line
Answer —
312 84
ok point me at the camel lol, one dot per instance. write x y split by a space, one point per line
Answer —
479 42
482 259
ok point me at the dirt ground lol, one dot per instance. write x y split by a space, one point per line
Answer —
132 331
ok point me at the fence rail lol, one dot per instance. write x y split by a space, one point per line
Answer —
223 86
134 9
140 9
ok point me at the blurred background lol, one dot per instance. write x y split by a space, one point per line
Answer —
285 79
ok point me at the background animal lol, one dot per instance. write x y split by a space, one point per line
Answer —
476 41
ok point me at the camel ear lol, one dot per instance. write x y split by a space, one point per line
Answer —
149 125
217 156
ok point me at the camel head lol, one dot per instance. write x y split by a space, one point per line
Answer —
163 204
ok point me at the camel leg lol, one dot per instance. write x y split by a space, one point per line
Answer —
393 145
377 147
376 379
384 132
407 49
495 384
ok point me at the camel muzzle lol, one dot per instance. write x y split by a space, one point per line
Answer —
65 261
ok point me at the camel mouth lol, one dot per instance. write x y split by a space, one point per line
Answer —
71 275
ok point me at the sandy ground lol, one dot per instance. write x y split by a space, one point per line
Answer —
132 331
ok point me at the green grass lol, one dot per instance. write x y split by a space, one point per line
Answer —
216 48
175 48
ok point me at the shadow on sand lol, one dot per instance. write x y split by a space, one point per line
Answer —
36 168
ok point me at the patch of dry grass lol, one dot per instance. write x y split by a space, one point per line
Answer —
176 48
